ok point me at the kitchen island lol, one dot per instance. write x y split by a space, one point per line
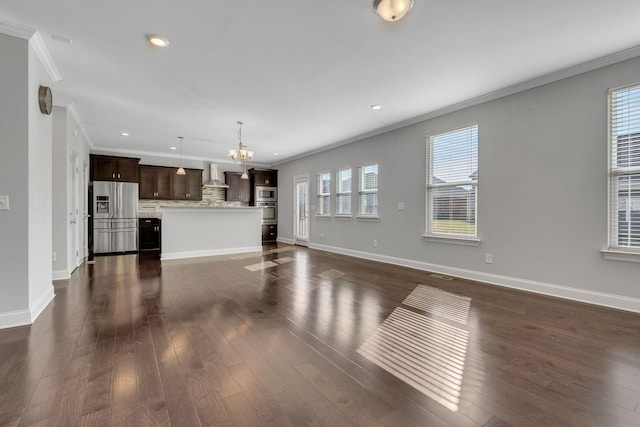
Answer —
189 232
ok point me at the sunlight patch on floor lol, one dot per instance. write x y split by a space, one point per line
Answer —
425 353
440 303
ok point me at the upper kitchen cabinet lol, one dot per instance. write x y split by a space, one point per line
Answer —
156 182
264 177
239 189
189 186
108 168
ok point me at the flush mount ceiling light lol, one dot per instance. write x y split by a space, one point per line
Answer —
180 170
392 10
376 107
157 40
124 133
241 154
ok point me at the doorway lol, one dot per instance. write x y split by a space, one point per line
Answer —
301 211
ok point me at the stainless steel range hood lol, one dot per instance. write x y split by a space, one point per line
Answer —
214 179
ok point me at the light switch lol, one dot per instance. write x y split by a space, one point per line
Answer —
4 203
400 206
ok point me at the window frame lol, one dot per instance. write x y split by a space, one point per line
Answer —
456 238
362 191
320 195
349 194
614 250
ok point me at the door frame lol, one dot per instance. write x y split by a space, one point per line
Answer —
304 241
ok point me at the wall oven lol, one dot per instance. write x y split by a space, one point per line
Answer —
266 194
269 212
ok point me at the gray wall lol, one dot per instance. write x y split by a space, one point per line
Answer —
14 178
25 176
542 201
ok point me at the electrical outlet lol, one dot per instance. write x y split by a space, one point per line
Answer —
401 206
322 236
4 203
375 243
488 258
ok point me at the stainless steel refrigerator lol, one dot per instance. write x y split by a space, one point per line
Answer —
115 217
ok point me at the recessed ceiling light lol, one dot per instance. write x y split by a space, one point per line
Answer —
173 148
275 154
376 107
157 40
124 133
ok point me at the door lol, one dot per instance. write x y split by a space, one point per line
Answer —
83 191
301 211
74 213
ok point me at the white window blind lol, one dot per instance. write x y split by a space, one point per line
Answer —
452 183
624 168
369 190
324 194
343 192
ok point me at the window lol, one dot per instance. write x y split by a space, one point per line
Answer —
624 169
343 192
324 196
369 190
452 183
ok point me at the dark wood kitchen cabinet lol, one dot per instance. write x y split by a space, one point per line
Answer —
109 168
189 186
149 234
156 182
264 177
239 189
269 232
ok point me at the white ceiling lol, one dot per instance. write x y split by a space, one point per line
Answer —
302 75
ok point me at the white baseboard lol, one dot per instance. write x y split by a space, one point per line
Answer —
288 241
12 319
591 297
209 252
61 275
41 304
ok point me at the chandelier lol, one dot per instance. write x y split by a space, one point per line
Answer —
241 155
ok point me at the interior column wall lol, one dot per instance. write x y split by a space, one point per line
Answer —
14 180
40 143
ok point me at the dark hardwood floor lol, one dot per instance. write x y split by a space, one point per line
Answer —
312 338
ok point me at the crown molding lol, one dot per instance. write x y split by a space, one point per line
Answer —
584 67
16 30
141 153
76 117
43 54
35 40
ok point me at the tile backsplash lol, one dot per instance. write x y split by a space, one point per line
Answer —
211 197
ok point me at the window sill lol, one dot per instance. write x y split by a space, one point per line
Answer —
323 216
343 217
620 255
467 241
368 218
